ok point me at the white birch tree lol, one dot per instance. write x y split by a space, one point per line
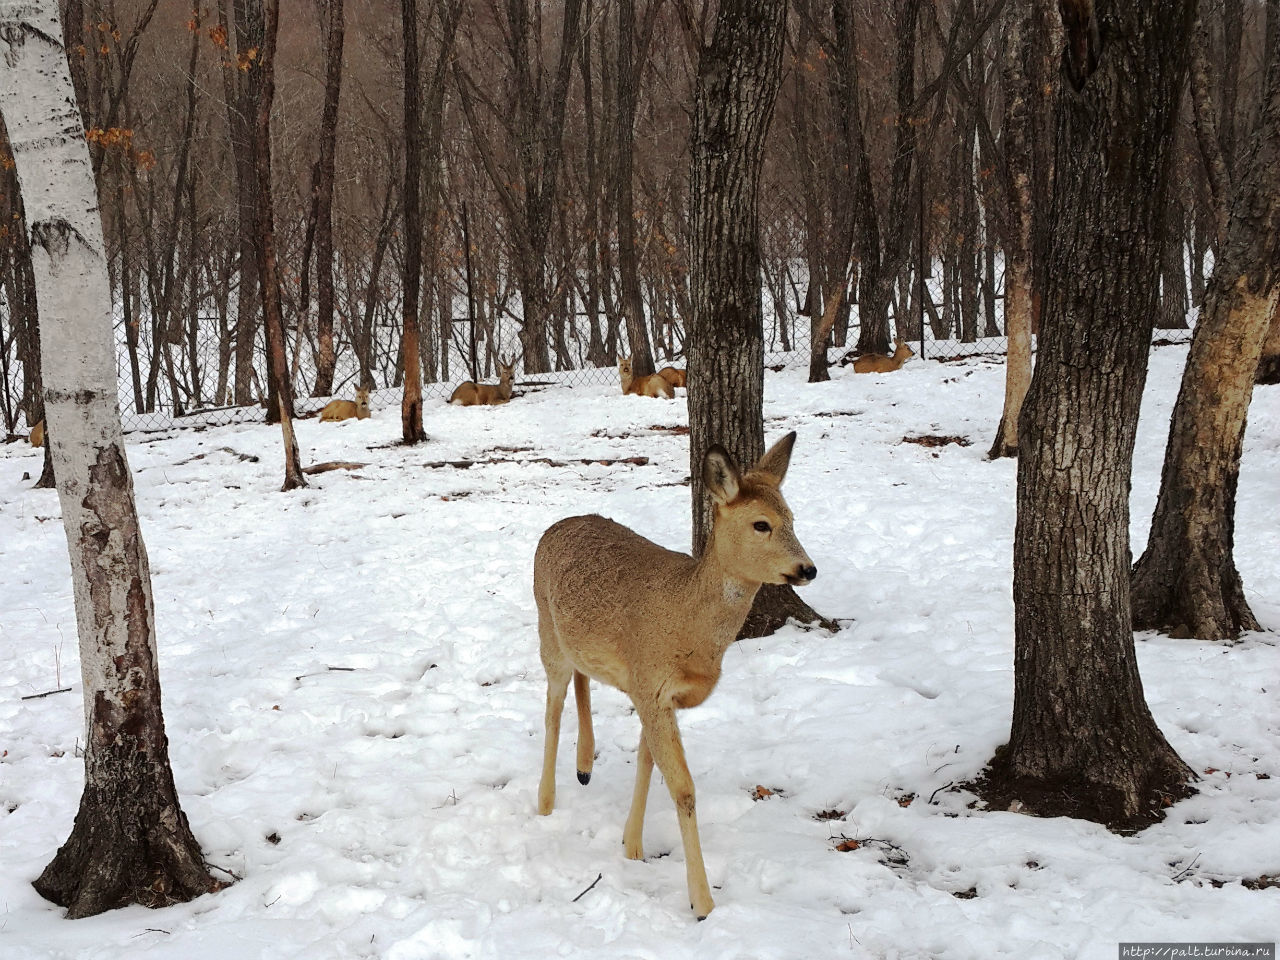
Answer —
130 842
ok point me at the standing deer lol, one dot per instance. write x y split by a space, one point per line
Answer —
346 409
470 394
656 624
879 363
651 386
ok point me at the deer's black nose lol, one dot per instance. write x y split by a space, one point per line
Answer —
808 573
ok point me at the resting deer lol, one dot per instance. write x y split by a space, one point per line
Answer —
673 375
470 394
656 624
651 386
879 363
346 409
36 439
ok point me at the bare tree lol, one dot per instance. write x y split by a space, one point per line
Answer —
334 30
130 842
1186 581
265 247
1083 741
738 81
411 282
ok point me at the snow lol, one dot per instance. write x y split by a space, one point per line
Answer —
354 699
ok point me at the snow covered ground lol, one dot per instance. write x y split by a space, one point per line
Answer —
354 699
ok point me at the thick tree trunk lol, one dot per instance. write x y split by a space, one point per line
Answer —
264 226
737 84
1186 582
326 357
131 842
1083 742
1205 117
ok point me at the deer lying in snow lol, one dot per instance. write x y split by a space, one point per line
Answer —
471 394
656 624
673 375
36 439
879 363
346 409
651 386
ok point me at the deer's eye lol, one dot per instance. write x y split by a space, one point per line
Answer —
762 526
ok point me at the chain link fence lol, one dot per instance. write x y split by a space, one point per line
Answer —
183 376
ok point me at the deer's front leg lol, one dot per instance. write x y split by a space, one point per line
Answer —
663 736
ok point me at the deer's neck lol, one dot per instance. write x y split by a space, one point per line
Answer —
725 597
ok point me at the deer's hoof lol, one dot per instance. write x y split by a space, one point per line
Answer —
584 778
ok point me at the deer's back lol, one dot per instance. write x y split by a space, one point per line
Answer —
605 586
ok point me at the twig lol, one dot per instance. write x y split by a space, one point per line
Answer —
47 693
327 669
602 461
940 789
230 873
589 889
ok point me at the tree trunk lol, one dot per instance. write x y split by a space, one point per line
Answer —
411 430
268 271
1186 582
1019 75
737 84
627 90
324 200
245 25
1269 365
1173 274
1083 742
130 842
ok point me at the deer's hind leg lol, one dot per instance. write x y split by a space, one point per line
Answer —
586 733
633 833
559 672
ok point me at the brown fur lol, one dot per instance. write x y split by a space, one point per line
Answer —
37 435
879 363
346 409
470 394
655 623
673 375
651 386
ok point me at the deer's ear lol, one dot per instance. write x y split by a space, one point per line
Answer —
720 475
775 462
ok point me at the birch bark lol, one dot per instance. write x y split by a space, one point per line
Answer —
131 842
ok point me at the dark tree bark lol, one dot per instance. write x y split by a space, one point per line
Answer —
1205 117
1269 365
325 358
268 271
1186 582
411 404
1173 274
1083 742
244 24
632 51
738 79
